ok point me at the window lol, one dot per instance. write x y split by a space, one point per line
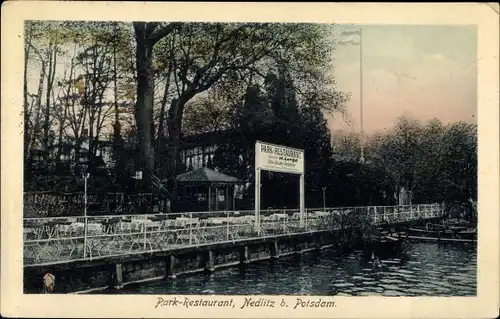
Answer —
221 195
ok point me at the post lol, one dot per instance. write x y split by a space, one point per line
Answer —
244 255
257 201
137 177
119 276
360 33
170 267
227 225
284 224
302 200
362 158
209 262
234 197
216 199
324 199
85 177
275 253
190 227
226 198
209 198
144 226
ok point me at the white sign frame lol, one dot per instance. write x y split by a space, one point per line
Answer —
276 158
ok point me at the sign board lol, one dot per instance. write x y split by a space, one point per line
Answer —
138 175
278 158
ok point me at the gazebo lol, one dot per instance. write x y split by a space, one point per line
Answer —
206 189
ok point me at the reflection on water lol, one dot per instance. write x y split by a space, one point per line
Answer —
423 269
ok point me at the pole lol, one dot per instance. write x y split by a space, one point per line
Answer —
257 201
190 228
324 199
227 225
85 176
144 229
226 199
234 198
301 200
362 157
216 199
209 197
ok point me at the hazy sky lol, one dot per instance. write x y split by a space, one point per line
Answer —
420 71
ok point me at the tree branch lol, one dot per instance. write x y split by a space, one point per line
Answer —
163 32
150 27
139 28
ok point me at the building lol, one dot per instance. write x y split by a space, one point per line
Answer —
71 156
198 150
207 187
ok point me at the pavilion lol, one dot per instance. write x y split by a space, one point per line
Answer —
206 189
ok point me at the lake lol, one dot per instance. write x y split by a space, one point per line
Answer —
421 269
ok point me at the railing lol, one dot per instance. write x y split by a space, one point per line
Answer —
62 239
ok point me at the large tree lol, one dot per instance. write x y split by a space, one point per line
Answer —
273 114
437 162
147 34
397 151
206 56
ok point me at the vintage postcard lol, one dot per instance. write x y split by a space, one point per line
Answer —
246 160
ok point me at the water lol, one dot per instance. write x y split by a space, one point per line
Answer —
422 269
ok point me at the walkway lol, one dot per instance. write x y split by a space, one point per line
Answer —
60 240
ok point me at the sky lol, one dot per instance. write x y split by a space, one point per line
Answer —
419 71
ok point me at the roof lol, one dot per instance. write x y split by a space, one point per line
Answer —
206 176
204 139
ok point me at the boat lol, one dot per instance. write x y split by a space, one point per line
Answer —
445 232
384 242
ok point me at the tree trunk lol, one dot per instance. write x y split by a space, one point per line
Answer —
144 106
50 84
174 127
66 106
147 34
26 113
38 104
117 139
161 136
174 136
47 108
91 104
164 103
117 126
60 137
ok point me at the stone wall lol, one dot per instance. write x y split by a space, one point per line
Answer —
107 273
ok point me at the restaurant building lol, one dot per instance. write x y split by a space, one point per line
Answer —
203 187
